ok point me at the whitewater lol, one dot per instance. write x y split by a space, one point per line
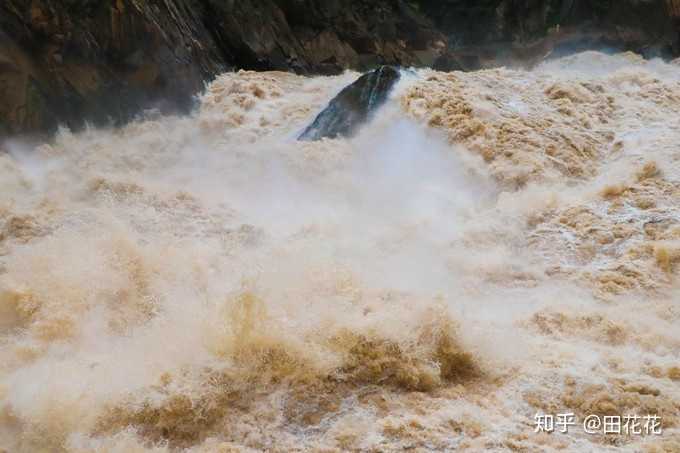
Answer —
490 246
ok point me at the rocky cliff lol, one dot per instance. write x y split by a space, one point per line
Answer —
102 61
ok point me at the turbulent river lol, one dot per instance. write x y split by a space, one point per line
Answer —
492 245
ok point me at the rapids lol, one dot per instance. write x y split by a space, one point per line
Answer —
490 246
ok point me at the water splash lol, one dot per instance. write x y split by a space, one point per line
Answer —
490 245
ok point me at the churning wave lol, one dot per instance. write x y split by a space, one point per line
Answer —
489 246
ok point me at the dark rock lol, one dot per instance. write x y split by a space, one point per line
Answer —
448 63
100 61
353 106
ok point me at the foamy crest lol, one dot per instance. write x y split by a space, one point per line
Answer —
491 245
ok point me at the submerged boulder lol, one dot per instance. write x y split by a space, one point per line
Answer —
353 105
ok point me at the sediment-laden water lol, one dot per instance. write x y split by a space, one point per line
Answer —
491 246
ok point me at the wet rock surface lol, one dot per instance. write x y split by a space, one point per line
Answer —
353 105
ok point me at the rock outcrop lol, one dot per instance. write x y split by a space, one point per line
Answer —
62 62
69 61
353 106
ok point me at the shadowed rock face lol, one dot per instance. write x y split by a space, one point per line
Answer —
353 106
